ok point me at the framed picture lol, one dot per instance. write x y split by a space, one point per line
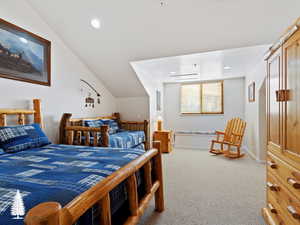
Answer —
251 92
24 56
158 101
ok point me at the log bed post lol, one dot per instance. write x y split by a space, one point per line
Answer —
47 213
104 135
3 120
118 118
38 118
65 120
159 194
146 131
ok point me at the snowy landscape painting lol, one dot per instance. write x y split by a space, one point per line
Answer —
23 56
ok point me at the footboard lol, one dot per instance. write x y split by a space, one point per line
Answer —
51 213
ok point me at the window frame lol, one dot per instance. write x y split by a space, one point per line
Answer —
201 98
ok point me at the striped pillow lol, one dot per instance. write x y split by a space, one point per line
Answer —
14 139
18 138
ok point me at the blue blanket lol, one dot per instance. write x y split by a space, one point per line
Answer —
54 173
126 139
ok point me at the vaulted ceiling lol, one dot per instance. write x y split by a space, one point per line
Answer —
143 29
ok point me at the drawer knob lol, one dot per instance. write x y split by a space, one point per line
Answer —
273 187
293 212
294 183
272 209
272 164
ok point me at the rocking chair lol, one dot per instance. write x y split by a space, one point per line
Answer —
231 137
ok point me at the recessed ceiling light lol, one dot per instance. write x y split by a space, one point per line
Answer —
23 40
95 23
172 72
227 67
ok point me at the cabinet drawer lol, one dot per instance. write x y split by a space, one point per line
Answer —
288 175
283 200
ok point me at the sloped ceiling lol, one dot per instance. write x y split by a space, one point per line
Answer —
143 29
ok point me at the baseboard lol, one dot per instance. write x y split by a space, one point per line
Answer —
251 154
190 147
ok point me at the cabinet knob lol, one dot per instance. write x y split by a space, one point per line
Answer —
272 209
295 184
293 212
273 187
271 164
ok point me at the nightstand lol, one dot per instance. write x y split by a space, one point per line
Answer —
165 138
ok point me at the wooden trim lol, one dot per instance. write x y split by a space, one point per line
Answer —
54 214
47 55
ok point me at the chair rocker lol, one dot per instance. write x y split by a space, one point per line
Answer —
231 138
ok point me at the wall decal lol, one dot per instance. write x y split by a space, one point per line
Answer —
89 101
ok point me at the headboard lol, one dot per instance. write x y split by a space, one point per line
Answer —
22 113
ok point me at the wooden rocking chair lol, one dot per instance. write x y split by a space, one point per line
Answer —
231 137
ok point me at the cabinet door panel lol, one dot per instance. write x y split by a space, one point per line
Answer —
274 129
291 53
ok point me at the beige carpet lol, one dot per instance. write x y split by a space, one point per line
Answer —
201 189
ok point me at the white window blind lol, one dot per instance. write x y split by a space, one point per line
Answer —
205 98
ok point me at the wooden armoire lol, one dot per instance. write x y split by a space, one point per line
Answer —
283 148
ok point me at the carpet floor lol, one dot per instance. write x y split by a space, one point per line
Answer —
201 189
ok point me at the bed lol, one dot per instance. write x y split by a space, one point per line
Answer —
66 184
110 131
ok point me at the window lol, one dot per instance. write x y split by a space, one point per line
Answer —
202 98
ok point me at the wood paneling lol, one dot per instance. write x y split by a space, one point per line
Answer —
291 53
274 68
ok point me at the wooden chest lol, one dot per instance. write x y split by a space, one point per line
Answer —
283 147
165 138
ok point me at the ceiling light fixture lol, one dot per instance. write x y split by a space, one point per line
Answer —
227 67
95 23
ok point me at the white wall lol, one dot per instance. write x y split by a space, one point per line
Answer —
255 112
64 95
234 97
151 86
133 108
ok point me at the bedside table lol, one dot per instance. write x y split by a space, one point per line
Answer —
165 138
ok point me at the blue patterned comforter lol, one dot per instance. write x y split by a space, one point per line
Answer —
126 139
55 173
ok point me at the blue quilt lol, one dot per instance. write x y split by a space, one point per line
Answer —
55 173
126 139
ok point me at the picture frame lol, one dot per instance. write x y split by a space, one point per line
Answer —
24 56
251 92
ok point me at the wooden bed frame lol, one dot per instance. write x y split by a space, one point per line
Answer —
71 130
51 213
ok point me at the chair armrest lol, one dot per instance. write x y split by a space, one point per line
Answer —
239 135
220 132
